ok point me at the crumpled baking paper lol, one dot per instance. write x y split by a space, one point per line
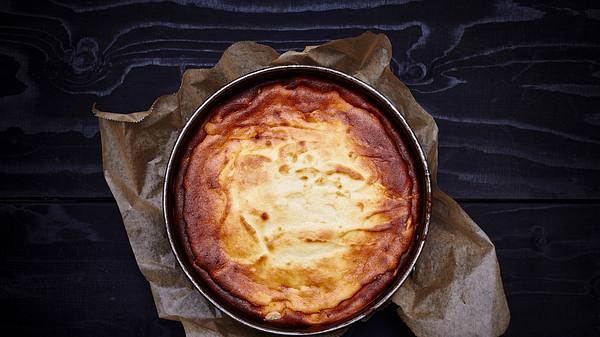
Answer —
456 289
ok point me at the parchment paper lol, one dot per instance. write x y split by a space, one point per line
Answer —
456 289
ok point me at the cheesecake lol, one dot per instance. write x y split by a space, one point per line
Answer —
296 201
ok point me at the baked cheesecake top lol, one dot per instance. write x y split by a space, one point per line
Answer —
296 201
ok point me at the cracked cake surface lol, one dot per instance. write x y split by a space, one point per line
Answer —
296 201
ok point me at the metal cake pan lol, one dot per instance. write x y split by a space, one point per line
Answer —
397 121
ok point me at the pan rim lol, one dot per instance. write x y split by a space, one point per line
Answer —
407 132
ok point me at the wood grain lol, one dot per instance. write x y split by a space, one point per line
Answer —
68 270
514 87
550 260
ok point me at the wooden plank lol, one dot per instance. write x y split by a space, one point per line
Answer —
513 87
68 269
550 260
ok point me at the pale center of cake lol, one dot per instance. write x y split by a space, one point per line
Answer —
299 202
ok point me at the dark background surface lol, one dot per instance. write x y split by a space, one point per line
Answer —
513 85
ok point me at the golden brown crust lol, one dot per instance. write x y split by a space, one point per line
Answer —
296 202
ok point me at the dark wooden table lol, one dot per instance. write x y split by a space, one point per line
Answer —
513 86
